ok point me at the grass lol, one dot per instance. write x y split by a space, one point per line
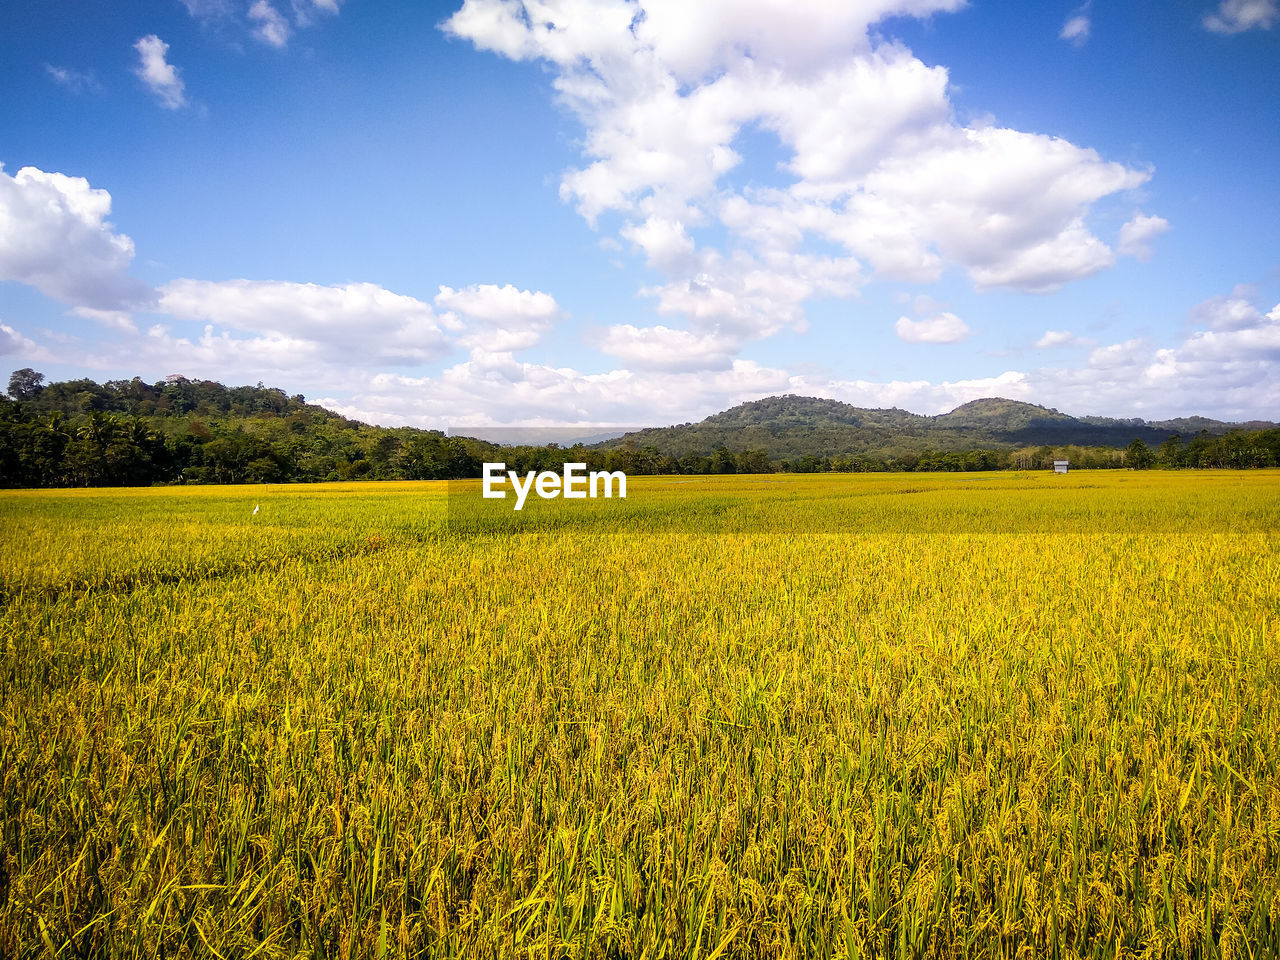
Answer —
828 716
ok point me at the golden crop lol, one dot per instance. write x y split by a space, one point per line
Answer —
850 716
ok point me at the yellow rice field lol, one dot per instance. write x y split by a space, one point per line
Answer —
794 716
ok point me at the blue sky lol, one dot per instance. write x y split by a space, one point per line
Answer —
610 212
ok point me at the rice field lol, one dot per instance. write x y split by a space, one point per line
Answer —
823 716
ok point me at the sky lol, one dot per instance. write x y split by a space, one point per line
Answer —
641 212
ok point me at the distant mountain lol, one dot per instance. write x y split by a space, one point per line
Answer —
133 433
791 426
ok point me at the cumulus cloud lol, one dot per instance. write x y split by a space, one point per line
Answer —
500 305
748 297
160 76
666 244
1237 16
13 343
55 236
355 323
1256 344
1115 355
1233 376
306 333
347 338
296 363
498 319
944 328
1234 312
877 165
220 355
1230 371
498 390
662 348
269 26
504 392
1137 234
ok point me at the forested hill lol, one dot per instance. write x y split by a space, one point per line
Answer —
128 432
792 426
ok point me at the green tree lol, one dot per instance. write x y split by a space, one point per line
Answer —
1138 456
754 461
723 460
25 384
1170 452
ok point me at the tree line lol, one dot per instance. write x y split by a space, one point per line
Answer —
132 433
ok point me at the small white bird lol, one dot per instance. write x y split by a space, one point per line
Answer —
255 510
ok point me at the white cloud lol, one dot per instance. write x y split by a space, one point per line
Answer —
746 297
1257 344
498 319
1137 234
303 333
160 76
497 390
503 392
1116 355
944 328
1073 254
270 27
1232 374
489 302
1239 332
1237 16
1231 371
352 324
662 348
876 163
112 319
296 363
13 343
665 243
1076 30
54 236
221 356
844 122
1235 312
1008 206
693 39
1056 339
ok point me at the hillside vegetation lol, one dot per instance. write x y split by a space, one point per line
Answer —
132 433
793 427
